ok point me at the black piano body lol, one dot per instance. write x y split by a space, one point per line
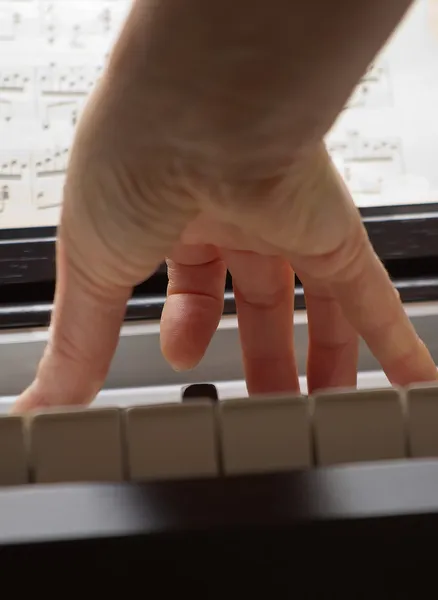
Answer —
404 236
343 532
364 531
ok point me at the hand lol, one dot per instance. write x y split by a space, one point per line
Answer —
158 171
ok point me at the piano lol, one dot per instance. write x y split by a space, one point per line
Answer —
178 481
332 495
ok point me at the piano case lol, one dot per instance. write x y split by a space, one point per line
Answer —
343 532
340 532
405 237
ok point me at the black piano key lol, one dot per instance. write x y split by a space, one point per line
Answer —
200 390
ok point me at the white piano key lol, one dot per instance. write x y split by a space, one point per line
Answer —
422 406
13 455
77 445
172 441
358 426
262 434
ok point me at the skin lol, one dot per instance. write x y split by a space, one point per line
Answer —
202 145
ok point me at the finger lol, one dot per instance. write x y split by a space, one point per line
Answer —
373 307
333 343
92 290
194 305
83 338
264 293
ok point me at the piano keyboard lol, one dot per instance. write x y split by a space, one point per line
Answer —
200 489
343 532
200 436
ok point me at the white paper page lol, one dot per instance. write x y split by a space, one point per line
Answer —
51 54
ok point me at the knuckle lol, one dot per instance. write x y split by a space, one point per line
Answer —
343 263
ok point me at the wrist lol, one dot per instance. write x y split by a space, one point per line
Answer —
234 78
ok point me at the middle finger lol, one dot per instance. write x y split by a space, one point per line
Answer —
333 343
264 294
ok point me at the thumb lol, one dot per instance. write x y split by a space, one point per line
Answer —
83 338
105 247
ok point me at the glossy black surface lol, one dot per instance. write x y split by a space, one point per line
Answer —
32 303
338 532
405 237
395 232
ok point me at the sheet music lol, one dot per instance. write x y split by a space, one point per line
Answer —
385 143
52 54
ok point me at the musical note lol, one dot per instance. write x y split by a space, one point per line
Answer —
50 170
4 196
365 162
17 20
14 81
4 192
5 110
354 147
50 163
49 198
101 24
68 81
377 149
17 100
15 187
341 148
64 113
9 25
373 90
369 96
12 168
82 22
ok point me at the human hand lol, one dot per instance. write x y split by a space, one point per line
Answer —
158 170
